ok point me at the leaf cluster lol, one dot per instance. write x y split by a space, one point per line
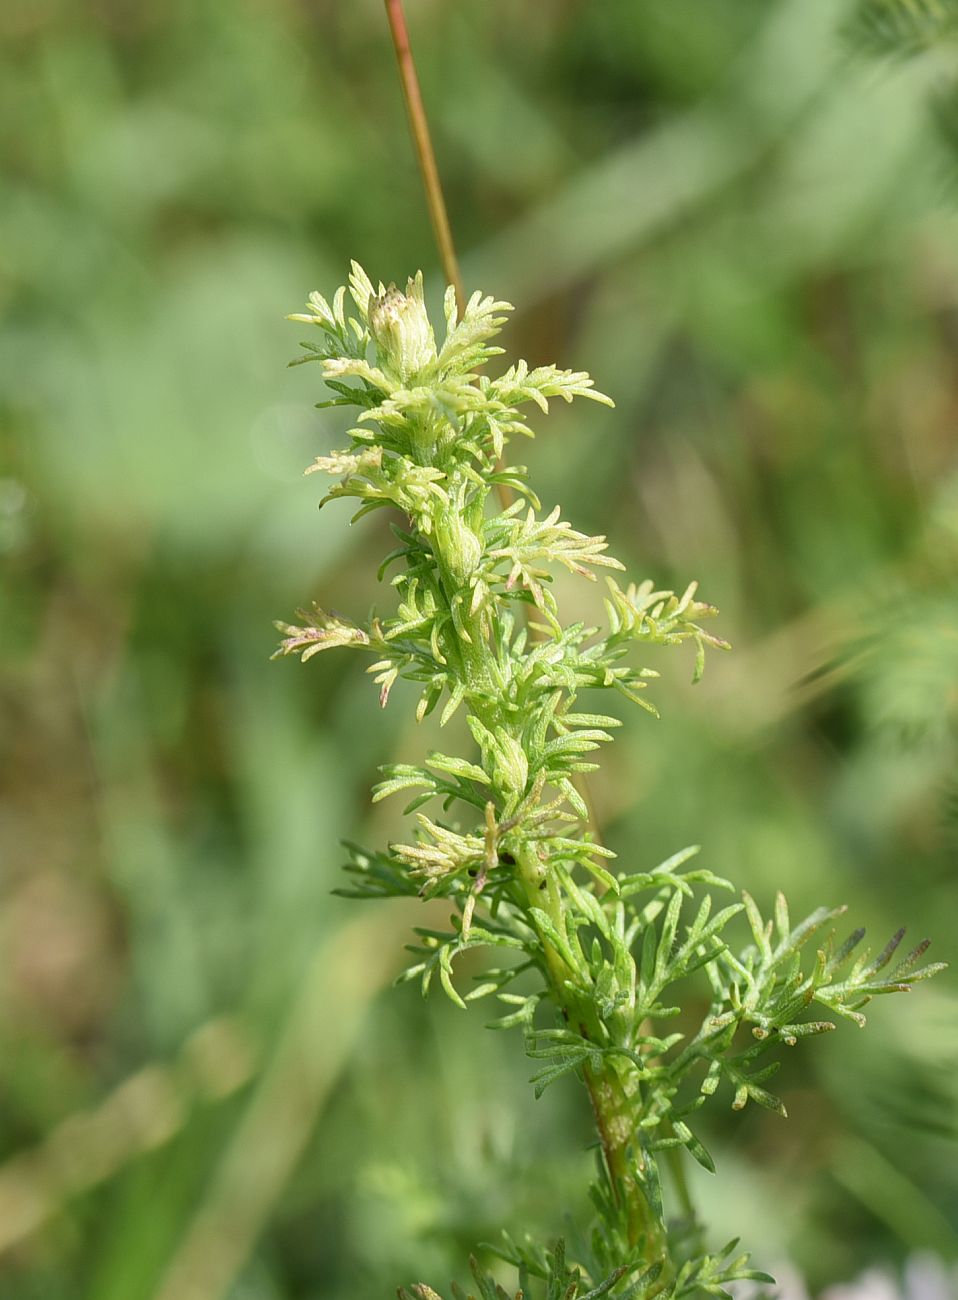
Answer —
708 1274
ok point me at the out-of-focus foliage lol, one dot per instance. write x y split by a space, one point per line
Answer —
895 30
899 28
748 235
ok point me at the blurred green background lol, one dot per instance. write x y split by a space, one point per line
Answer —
749 234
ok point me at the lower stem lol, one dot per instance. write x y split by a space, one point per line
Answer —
613 1108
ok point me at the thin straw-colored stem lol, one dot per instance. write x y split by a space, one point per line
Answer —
435 199
419 126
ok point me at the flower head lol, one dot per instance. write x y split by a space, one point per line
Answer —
401 330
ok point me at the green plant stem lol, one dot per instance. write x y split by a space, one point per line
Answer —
422 141
613 1108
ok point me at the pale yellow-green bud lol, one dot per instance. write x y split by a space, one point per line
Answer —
511 765
461 548
401 330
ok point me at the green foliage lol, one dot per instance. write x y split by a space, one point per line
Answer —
899 28
612 954
779 341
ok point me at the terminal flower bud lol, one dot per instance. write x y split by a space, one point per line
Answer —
401 330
